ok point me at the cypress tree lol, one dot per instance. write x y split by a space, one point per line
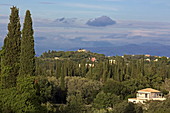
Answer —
62 79
10 56
27 59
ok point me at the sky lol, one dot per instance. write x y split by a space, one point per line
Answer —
137 22
144 10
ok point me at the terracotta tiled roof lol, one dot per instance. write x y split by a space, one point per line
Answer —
148 90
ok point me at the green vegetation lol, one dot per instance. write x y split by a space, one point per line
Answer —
72 55
27 59
18 93
10 53
72 81
159 107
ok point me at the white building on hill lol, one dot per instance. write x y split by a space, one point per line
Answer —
82 50
146 95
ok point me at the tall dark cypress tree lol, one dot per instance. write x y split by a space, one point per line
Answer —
63 74
10 56
27 59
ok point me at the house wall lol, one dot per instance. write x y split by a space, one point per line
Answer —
143 95
154 95
135 100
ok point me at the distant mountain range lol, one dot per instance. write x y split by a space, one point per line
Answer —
66 20
130 49
101 21
97 22
155 50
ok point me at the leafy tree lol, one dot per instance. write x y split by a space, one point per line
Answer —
11 51
27 59
7 99
166 85
125 107
58 96
26 99
43 89
105 100
115 87
88 88
159 106
22 98
62 78
75 103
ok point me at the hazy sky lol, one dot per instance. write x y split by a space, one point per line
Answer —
144 10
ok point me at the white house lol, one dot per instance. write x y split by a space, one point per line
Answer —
148 59
89 65
112 61
81 50
156 60
146 95
56 58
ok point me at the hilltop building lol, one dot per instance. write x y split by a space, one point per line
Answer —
89 65
146 95
93 59
156 60
56 58
148 59
112 61
82 50
147 55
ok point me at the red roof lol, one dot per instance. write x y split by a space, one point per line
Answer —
93 59
148 90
